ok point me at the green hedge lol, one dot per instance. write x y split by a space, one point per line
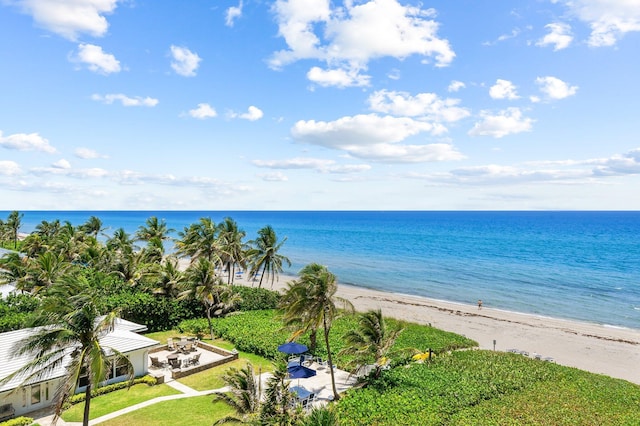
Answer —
18 421
256 299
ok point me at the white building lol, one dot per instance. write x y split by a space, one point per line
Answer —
39 393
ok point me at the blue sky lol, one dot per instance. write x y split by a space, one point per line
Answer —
311 104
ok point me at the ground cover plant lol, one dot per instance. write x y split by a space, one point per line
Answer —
113 401
490 388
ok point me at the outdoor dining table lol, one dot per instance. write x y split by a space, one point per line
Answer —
301 392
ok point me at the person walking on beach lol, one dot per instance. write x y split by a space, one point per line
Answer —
479 304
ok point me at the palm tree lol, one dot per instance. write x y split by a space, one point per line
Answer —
13 224
199 240
231 246
371 342
243 395
154 231
201 282
93 226
14 268
169 278
312 299
264 255
69 332
278 399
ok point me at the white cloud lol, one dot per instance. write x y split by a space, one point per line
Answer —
96 59
625 164
274 177
348 37
503 89
338 77
375 138
455 86
61 164
70 18
609 19
125 100
26 142
88 154
559 36
203 111
554 88
320 165
233 13
9 168
507 122
253 113
295 163
426 105
185 62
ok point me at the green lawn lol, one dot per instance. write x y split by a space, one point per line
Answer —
212 378
110 402
195 411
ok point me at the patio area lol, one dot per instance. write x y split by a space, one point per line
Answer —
176 363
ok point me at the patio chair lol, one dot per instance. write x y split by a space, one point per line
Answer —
175 363
196 359
170 344
186 349
156 363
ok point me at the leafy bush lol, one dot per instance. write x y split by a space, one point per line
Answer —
16 310
157 313
256 299
18 421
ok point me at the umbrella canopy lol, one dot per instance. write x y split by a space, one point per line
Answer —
292 348
300 372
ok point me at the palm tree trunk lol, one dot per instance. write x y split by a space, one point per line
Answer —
313 340
264 268
336 395
208 309
87 405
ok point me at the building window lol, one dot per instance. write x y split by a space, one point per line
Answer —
121 367
35 394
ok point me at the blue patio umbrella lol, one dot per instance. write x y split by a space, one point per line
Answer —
300 372
292 348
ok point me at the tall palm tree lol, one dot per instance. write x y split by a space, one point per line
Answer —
372 341
312 298
93 226
14 268
201 282
231 246
264 255
168 277
154 231
199 240
13 224
243 395
69 332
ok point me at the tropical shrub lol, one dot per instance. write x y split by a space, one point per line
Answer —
255 299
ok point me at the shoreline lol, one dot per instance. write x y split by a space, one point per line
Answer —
601 349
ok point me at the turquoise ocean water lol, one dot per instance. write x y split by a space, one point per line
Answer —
574 265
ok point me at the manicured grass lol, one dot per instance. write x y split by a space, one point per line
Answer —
195 411
108 403
212 378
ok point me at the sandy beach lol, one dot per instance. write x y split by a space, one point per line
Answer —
611 351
